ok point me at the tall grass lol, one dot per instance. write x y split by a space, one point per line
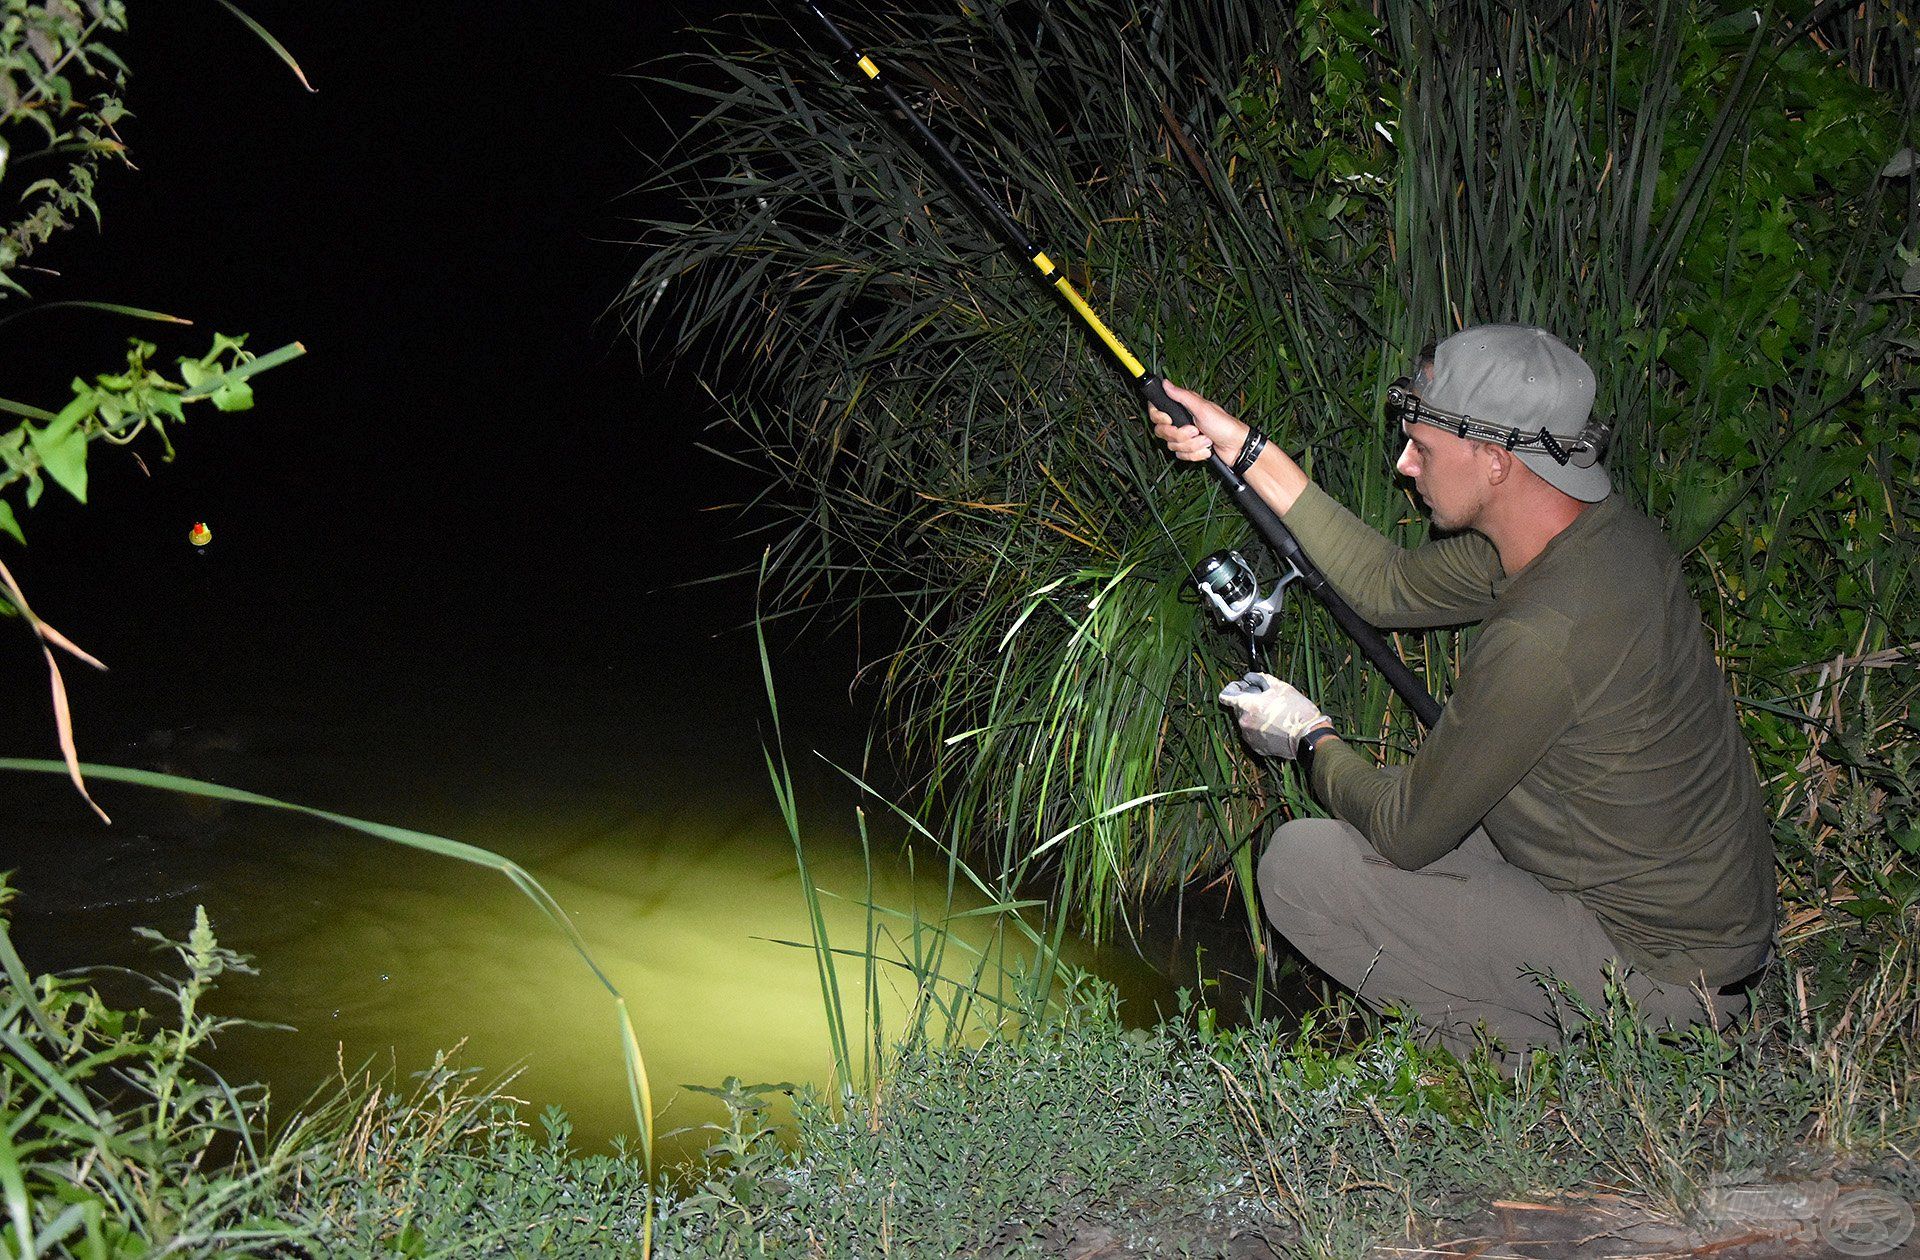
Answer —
1281 204
956 992
949 443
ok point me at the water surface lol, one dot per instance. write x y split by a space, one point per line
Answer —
630 784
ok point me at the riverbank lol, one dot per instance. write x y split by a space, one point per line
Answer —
1080 1137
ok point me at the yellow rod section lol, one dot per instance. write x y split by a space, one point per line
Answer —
1100 329
1079 304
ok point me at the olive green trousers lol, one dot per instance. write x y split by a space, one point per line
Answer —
1462 943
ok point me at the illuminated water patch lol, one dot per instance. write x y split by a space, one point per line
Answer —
381 954
653 825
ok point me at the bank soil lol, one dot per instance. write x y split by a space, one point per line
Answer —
1748 1220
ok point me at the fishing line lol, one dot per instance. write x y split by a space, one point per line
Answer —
1266 522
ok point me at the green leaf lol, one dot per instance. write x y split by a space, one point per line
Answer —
9 524
1867 909
63 453
235 397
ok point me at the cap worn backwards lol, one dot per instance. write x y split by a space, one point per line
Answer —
1526 379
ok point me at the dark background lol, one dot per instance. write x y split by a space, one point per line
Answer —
468 470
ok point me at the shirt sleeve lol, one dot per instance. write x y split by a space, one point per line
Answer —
1515 699
1446 582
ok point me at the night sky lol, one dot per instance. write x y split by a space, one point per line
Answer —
468 463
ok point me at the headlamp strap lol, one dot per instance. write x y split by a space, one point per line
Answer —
1412 408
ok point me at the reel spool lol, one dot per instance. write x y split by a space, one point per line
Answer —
1230 588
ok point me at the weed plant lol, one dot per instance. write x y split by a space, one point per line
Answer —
116 1141
449 1166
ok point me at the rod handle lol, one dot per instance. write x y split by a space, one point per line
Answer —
1155 388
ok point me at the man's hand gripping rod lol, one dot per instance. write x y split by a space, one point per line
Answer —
1264 519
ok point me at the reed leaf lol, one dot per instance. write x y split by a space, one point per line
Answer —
266 37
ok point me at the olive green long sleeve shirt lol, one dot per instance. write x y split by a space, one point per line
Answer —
1590 731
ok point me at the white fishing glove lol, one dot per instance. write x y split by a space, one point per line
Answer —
1273 715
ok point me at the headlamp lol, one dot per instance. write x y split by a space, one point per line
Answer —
1581 450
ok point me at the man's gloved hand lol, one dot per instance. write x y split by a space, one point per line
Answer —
1273 715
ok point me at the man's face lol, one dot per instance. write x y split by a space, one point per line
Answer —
1447 472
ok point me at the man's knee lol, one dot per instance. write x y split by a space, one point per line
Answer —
1306 865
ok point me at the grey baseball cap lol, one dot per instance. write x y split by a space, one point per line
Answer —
1526 379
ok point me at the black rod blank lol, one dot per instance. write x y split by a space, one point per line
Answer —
1266 522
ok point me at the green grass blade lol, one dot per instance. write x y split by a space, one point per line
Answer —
19 1203
26 409
267 38
252 367
113 308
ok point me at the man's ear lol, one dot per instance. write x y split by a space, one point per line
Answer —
1499 462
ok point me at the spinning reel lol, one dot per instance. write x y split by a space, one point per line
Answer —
1230 588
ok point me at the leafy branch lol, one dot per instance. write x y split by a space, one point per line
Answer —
117 407
60 85
60 88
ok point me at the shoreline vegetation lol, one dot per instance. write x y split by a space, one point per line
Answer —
1009 1112
1184 1139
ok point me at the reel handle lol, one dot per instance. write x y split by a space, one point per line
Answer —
1156 391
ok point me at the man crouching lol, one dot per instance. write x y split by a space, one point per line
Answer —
1586 799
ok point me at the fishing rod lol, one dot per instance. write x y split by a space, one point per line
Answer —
1224 579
